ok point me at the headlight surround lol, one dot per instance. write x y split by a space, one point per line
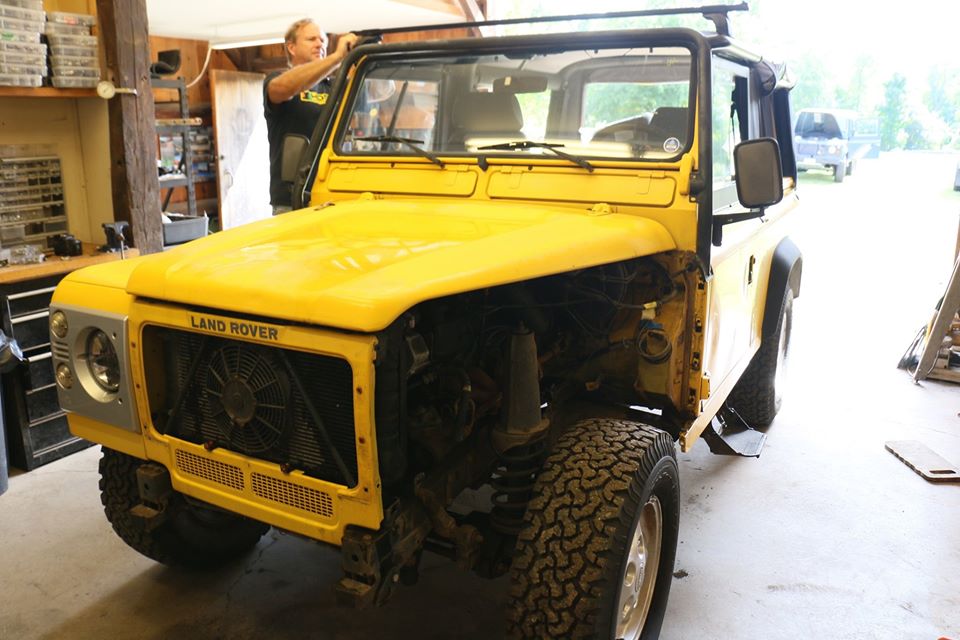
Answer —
92 365
102 361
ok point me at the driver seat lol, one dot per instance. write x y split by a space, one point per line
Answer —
485 118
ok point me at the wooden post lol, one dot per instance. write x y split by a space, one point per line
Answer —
133 153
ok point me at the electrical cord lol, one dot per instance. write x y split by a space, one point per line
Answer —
206 63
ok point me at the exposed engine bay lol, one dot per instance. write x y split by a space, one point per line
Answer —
471 388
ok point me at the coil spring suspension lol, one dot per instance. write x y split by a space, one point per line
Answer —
513 482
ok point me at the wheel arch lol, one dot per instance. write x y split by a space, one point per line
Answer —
785 272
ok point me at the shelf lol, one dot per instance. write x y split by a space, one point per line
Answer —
46 92
174 129
167 183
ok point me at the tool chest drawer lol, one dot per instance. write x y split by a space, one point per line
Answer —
37 430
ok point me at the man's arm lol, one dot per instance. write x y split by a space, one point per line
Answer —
302 77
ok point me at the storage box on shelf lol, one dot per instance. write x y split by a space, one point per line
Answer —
72 19
179 228
21 55
17 24
14 36
36 5
73 51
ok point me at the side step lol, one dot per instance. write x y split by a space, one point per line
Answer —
730 435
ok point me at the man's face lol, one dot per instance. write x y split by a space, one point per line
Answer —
311 44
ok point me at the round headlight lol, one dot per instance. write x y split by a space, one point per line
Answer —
58 324
102 361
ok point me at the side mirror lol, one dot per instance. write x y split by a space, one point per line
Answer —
759 173
290 154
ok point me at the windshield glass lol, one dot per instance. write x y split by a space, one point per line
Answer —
610 103
818 124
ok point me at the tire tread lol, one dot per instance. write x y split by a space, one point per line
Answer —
576 526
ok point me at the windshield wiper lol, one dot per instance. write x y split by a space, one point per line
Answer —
530 144
408 142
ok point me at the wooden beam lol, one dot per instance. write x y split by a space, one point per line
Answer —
472 12
235 58
266 65
133 154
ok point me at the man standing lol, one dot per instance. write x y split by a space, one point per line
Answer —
293 99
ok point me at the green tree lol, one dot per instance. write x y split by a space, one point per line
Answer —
893 111
811 91
943 94
852 96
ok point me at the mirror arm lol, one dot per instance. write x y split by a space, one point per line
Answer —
728 218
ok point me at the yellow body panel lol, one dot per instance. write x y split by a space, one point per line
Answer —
649 188
454 180
735 305
359 264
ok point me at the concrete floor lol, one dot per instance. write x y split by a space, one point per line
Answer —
827 535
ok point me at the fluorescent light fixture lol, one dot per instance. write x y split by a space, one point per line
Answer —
236 44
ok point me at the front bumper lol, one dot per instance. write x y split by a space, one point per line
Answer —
818 155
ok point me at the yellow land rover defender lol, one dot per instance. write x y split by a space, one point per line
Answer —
525 270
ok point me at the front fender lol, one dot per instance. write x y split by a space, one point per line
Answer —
785 271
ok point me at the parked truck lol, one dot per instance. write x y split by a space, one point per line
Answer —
525 269
835 140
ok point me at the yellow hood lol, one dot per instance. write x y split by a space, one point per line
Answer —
360 264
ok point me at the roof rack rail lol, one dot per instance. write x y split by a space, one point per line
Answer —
715 13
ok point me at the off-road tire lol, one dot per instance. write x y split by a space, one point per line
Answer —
850 167
191 536
758 396
839 171
571 556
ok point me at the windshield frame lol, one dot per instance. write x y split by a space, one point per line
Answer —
687 39
702 45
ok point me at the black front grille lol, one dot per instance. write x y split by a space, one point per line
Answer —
280 405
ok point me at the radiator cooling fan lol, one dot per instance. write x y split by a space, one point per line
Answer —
246 396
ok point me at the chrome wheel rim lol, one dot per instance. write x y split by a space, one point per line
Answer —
639 577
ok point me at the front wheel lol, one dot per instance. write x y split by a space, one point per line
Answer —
194 534
595 558
839 171
759 392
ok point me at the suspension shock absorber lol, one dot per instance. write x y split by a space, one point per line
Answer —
512 484
519 437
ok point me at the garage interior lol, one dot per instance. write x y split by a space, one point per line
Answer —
824 535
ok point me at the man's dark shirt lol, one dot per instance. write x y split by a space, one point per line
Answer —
298 115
